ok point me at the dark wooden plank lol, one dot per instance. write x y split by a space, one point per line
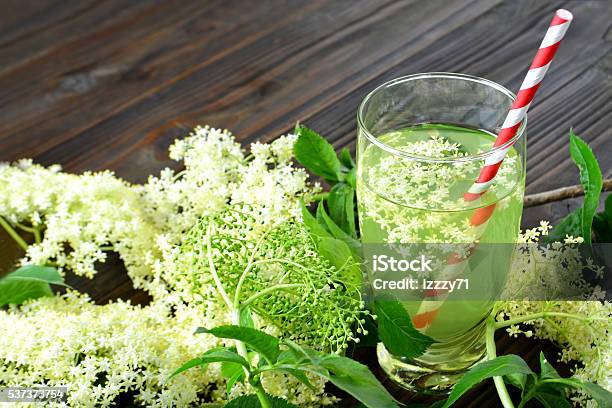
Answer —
102 72
30 31
254 83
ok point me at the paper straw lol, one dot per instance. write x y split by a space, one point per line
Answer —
543 58
428 310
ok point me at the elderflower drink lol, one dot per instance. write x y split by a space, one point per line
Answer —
423 140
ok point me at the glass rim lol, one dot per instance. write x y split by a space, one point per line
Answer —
428 75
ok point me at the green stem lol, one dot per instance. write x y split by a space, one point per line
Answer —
247 270
540 315
264 292
491 354
262 396
7 227
320 196
213 270
37 237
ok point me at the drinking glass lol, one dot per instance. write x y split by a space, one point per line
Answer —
422 141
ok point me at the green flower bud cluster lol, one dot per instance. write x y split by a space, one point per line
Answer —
277 272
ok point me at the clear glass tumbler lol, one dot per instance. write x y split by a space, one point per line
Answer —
422 140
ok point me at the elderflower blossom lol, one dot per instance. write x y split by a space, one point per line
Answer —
585 339
236 240
106 353
78 217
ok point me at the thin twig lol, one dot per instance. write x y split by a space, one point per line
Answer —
560 194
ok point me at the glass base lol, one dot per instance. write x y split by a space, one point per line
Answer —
418 378
439 369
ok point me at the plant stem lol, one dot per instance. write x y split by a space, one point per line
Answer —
262 396
7 227
502 391
540 315
560 194
320 196
264 292
213 270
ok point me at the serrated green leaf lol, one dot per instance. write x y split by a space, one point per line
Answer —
356 379
341 204
312 224
346 159
599 394
317 154
351 177
212 356
339 255
344 373
300 376
396 331
302 353
552 399
546 369
499 366
251 401
336 231
28 282
257 340
591 180
246 319
234 377
516 379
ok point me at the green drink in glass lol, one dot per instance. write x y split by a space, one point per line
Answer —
422 142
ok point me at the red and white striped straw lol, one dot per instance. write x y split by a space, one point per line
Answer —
557 29
428 309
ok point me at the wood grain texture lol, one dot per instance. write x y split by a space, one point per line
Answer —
110 84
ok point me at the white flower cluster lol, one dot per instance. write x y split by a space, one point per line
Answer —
117 352
81 217
581 328
103 352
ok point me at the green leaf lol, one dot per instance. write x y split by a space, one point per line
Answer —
218 355
551 399
344 373
499 366
229 368
351 177
251 401
336 231
516 379
356 379
28 282
259 341
302 353
341 204
346 159
246 319
602 223
396 331
339 255
300 376
570 225
312 224
591 180
546 369
599 394
317 154
233 372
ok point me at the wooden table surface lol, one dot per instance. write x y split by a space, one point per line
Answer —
110 84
